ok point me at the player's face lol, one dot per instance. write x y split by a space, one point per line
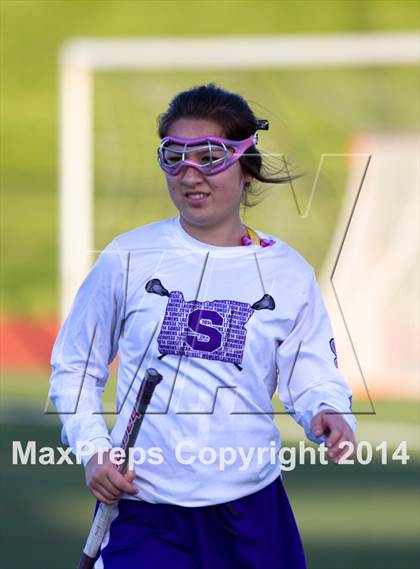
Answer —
205 201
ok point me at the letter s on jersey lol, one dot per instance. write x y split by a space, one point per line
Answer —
196 325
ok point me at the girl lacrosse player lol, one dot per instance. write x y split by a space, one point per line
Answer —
226 314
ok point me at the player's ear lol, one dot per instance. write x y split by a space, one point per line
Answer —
247 178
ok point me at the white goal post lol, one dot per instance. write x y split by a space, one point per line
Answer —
80 58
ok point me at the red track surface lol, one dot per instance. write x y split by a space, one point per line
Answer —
27 344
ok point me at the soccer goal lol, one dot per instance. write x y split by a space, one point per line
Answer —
81 59
112 89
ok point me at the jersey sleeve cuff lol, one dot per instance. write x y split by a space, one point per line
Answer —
334 406
86 449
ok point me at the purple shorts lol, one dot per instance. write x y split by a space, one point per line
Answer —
254 532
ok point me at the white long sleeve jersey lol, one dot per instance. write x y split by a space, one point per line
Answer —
224 326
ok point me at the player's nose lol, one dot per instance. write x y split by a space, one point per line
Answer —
191 176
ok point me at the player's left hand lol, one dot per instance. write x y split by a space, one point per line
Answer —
336 428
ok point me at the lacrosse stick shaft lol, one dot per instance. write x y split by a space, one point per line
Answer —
105 512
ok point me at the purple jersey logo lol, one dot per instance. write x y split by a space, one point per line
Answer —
214 330
334 351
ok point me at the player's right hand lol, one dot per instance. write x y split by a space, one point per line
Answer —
105 482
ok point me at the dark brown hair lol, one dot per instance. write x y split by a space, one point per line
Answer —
238 121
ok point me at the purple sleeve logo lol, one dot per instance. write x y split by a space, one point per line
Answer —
334 351
214 330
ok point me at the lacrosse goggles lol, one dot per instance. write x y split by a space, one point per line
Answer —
210 154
